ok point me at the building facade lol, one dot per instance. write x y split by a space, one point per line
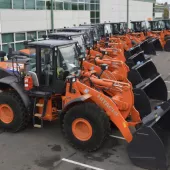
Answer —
21 20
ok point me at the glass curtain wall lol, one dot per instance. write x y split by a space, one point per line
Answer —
88 5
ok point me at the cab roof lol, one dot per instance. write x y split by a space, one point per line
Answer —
66 34
81 28
136 21
51 43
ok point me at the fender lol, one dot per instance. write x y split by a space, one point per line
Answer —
4 73
73 102
12 81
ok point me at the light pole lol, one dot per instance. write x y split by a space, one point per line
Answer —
128 13
52 16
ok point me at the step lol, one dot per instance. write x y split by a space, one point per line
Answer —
37 126
39 105
38 115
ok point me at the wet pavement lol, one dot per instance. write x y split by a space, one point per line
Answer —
46 149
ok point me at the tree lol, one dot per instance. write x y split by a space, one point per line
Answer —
166 13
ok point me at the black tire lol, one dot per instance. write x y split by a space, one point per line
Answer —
21 116
98 120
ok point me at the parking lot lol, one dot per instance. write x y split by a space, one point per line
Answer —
46 149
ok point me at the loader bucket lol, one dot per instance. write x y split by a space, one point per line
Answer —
147 69
134 77
156 89
149 146
157 45
167 46
135 59
148 48
142 102
132 51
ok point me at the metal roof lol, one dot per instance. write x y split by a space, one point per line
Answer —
68 34
52 43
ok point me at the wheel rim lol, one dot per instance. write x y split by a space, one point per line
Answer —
6 113
82 129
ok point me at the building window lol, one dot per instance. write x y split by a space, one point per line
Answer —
95 11
30 4
97 20
81 6
67 6
74 6
59 5
5 47
18 4
93 7
87 7
40 4
20 36
41 33
5 4
31 35
19 46
97 7
97 14
92 14
93 21
6 38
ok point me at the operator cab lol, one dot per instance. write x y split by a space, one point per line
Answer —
167 23
98 28
156 25
119 28
89 33
54 61
76 36
138 26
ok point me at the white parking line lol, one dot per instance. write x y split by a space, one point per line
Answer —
117 137
80 164
168 91
167 81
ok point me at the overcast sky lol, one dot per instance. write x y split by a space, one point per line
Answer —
163 1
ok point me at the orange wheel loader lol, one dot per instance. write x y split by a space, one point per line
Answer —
159 29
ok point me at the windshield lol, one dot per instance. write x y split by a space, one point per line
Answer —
108 29
100 30
161 25
143 25
167 23
116 28
80 40
69 58
157 25
95 34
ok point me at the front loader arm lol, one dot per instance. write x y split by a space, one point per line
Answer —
109 107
